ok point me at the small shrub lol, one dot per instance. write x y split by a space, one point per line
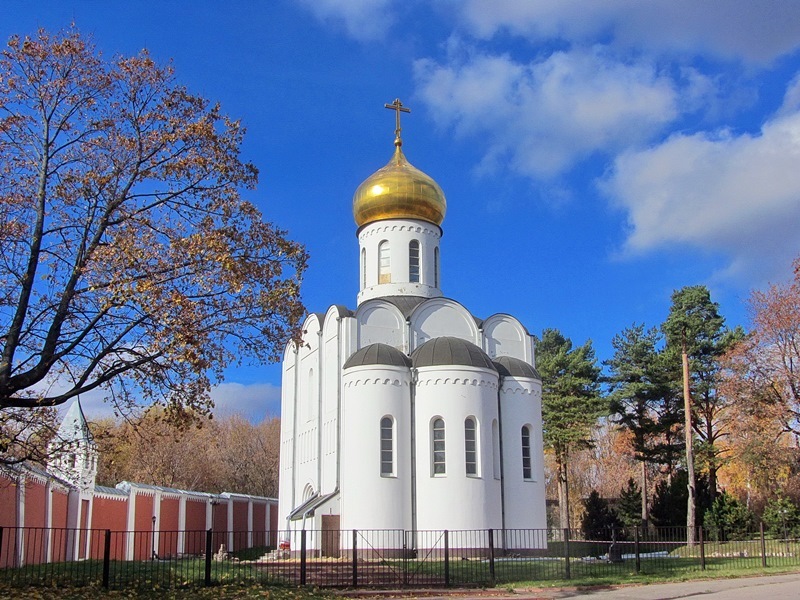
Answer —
728 519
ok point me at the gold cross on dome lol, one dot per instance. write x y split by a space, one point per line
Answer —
397 107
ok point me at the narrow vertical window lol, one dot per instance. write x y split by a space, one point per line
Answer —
496 449
438 447
363 268
526 453
436 267
384 274
470 446
413 261
387 447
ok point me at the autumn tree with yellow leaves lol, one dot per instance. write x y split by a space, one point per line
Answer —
131 264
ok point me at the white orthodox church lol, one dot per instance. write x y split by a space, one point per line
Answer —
409 413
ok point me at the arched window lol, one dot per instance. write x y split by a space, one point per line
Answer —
387 447
527 471
384 274
436 267
363 268
470 446
413 261
437 439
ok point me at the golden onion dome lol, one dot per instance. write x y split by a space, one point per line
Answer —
399 190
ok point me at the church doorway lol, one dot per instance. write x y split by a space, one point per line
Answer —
330 536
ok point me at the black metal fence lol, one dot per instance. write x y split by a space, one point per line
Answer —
373 558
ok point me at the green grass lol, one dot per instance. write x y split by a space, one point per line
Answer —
225 591
184 578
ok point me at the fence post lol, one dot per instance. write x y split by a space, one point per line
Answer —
1 542
491 556
106 558
355 558
702 550
208 557
763 545
446 558
303 557
567 570
636 549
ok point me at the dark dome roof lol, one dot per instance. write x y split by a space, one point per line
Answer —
450 351
508 366
378 354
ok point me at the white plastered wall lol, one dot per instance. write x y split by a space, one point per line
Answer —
454 500
382 322
398 233
503 335
521 404
442 317
369 499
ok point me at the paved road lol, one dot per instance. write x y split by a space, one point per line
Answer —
773 587
776 587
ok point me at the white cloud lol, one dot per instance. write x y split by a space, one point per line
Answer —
543 116
755 32
362 19
734 194
255 401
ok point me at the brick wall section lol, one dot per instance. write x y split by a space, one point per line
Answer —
109 511
195 541
259 515
168 526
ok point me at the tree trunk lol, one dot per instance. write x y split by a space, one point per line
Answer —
645 513
687 407
563 495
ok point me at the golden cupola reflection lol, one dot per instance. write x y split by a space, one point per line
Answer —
399 191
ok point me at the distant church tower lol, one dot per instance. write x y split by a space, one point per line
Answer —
73 451
409 413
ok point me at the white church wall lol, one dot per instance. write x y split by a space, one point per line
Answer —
454 500
442 317
332 361
381 322
375 500
503 335
398 234
520 400
308 383
286 493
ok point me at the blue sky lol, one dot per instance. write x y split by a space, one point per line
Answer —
595 156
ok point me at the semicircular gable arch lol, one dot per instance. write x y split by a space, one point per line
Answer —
312 327
381 322
505 335
439 317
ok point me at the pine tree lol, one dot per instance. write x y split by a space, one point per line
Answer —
643 400
629 505
599 520
694 327
571 402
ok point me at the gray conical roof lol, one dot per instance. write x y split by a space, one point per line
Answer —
450 351
378 354
74 427
508 366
